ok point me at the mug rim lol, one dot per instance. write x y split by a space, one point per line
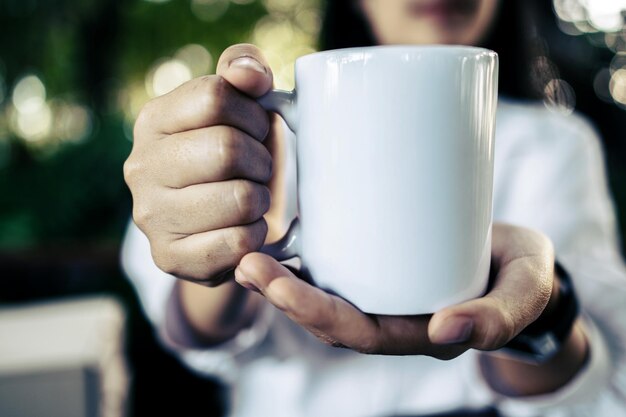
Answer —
451 49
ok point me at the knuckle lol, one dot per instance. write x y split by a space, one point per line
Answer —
132 169
508 327
369 346
217 94
163 258
251 199
242 240
229 150
143 120
500 329
215 279
143 216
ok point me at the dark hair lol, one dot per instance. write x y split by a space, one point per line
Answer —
513 37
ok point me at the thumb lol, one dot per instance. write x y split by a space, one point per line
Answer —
245 68
523 284
481 324
519 296
257 270
264 274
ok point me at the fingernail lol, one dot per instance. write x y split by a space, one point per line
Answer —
247 62
455 331
245 282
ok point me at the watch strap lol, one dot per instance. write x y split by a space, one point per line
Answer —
543 338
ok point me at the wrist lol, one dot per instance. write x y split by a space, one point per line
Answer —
200 316
548 353
544 337
511 377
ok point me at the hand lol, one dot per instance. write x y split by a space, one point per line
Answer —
522 266
198 169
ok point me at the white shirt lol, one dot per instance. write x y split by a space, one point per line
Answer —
549 175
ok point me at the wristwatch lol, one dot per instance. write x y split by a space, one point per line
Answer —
543 338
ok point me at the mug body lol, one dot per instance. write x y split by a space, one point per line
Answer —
395 172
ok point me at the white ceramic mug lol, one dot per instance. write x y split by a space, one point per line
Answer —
395 170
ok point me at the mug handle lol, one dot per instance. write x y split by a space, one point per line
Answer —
283 103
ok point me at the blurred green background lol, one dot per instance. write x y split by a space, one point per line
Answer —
74 74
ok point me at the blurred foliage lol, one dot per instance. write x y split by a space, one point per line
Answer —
77 193
153 30
86 52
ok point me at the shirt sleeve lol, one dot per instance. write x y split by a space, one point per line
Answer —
556 183
158 296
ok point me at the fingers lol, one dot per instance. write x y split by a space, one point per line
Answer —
197 165
191 209
226 98
201 102
408 335
190 176
244 67
202 257
524 262
211 154
330 318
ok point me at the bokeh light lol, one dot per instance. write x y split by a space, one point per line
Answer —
209 10
583 16
286 33
31 117
33 126
603 23
45 123
72 122
29 94
196 57
617 86
615 41
4 126
2 88
166 75
601 85
309 20
617 82
618 62
605 15
131 99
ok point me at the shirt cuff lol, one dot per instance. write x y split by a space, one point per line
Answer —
585 387
218 360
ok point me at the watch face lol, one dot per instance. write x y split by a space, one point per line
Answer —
540 348
546 345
